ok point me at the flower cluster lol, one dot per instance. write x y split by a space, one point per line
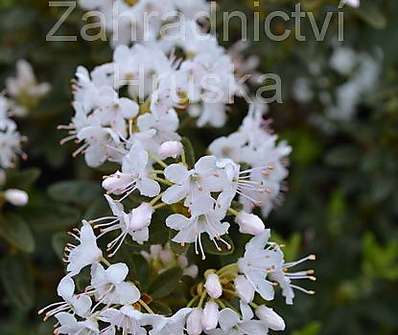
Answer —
132 20
358 73
129 112
22 93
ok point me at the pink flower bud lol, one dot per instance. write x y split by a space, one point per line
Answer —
210 316
194 322
16 197
170 149
213 286
250 224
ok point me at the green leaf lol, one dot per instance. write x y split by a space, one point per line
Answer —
22 179
75 192
15 231
17 281
58 242
161 308
165 283
53 217
371 13
189 152
313 328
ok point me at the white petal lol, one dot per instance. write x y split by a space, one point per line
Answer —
176 173
174 194
177 221
148 187
66 288
116 273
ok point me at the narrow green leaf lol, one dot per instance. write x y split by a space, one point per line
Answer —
165 283
16 232
189 152
17 280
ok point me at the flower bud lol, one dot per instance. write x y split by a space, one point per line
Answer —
271 319
140 217
16 197
170 149
116 183
213 286
194 322
244 289
250 224
210 316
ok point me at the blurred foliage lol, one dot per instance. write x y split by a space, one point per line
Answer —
342 199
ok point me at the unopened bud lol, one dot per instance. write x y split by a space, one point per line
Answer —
16 197
194 322
116 183
213 286
170 149
210 316
250 224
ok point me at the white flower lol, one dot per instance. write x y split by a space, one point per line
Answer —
161 126
101 144
79 304
85 253
194 185
258 262
10 143
250 224
271 319
135 223
170 149
191 229
24 85
113 111
68 325
210 316
126 319
110 285
244 289
174 325
16 197
134 175
284 278
213 286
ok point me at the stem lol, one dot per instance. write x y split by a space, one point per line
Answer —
163 181
202 299
155 200
146 307
105 261
157 160
191 303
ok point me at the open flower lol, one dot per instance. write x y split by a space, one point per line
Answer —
68 325
135 223
85 253
110 286
134 175
190 230
79 304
